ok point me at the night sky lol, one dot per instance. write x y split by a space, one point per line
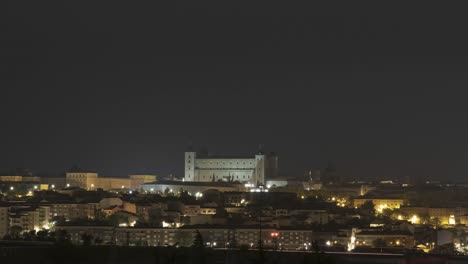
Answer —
124 87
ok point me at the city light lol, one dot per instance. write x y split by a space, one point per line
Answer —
414 219
12 188
451 220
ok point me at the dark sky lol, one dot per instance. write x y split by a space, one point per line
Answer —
124 87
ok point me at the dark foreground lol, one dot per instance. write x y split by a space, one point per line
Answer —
163 255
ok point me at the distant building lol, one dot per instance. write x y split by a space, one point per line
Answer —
29 217
385 239
380 204
213 236
164 187
254 170
16 178
91 181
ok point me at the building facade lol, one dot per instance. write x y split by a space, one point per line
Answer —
252 170
91 181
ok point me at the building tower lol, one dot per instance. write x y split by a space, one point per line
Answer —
259 177
190 157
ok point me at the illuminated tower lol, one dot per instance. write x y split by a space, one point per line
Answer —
190 166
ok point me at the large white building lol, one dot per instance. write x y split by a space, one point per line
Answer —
253 170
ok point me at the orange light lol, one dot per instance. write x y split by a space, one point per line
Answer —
274 234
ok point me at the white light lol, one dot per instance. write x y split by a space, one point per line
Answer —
68 185
414 219
152 189
35 187
123 186
12 188
92 185
214 244
53 186
328 243
451 220
130 192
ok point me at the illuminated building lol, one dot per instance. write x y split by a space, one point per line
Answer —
162 187
29 217
380 204
391 238
253 170
91 181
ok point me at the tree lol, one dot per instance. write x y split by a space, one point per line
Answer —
387 212
62 238
367 209
198 240
116 219
434 221
183 239
28 236
15 232
98 240
86 238
42 234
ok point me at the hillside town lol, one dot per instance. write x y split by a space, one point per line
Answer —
259 210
